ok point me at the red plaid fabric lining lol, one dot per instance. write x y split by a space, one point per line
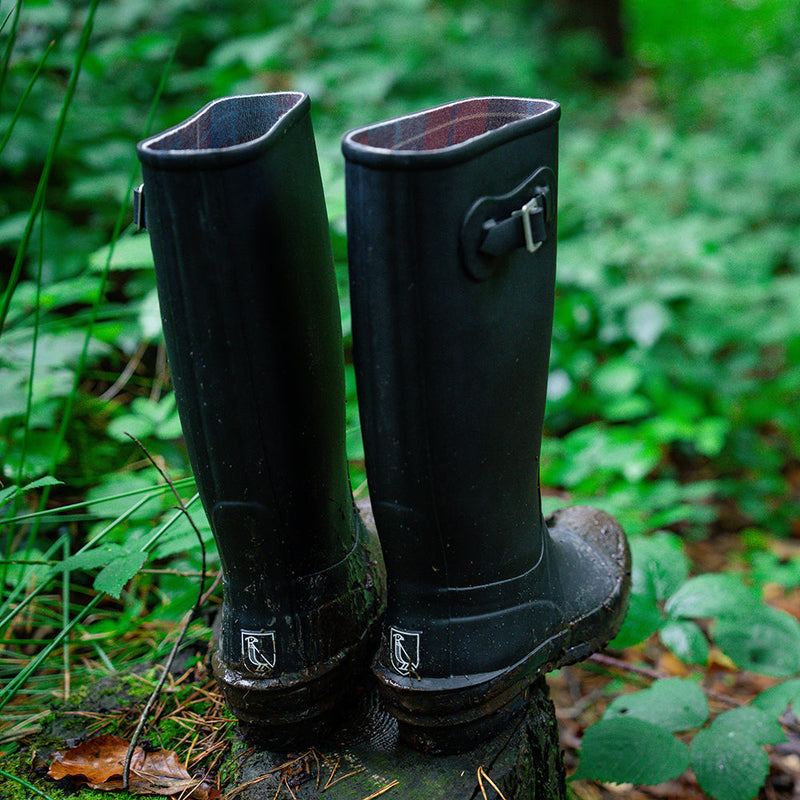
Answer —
449 125
228 122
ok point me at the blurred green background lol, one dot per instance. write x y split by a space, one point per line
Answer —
676 353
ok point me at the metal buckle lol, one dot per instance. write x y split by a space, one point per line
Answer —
531 207
138 208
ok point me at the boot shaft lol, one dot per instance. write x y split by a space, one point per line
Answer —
451 343
240 238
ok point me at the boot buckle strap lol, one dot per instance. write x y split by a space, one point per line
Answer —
496 226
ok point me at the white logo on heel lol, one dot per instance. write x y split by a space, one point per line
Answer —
404 651
258 650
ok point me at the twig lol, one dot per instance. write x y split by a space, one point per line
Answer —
188 617
615 663
385 789
481 775
333 772
319 768
126 374
342 777
246 785
161 373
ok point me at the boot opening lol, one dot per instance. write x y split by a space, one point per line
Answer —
451 124
227 122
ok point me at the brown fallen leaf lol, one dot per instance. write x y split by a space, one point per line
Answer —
96 760
99 764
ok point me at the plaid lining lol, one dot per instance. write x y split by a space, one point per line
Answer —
228 122
448 125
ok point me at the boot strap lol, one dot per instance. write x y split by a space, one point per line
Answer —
139 218
497 226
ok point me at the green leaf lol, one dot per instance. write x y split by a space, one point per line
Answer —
727 757
119 494
659 567
130 252
7 493
47 480
776 700
685 639
660 560
95 557
123 427
750 722
713 595
112 578
642 619
617 377
630 750
676 704
766 641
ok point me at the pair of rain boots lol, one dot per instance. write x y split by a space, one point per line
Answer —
451 237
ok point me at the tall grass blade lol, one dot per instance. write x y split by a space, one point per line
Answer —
22 782
65 585
121 216
13 686
28 404
24 98
38 200
53 573
12 38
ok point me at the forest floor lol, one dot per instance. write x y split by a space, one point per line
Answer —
190 719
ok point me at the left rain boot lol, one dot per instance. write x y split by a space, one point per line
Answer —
451 227
239 231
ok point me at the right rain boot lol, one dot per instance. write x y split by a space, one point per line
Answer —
234 205
451 217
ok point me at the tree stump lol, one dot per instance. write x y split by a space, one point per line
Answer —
365 759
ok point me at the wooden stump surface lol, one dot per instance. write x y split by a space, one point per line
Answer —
365 759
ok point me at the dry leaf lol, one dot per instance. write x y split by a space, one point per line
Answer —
99 763
96 760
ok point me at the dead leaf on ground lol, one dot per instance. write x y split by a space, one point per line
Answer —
99 764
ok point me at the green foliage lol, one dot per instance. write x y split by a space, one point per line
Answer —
631 750
753 635
676 704
727 756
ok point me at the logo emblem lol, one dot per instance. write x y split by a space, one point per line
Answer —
258 650
404 651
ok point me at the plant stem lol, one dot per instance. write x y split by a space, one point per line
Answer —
22 782
55 141
12 38
121 216
25 96
616 663
188 617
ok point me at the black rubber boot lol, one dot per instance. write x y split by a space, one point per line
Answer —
452 245
240 239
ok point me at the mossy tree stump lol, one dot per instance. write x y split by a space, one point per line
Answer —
365 759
